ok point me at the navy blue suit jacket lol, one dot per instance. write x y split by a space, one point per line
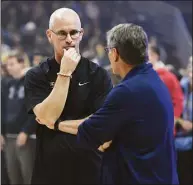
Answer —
138 117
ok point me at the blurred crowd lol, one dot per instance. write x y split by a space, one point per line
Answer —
24 45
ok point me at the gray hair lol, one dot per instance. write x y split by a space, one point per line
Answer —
131 42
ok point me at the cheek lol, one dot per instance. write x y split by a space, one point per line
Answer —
58 46
149 56
115 71
112 64
8 68
76 43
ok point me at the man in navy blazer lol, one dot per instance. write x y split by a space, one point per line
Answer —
137 116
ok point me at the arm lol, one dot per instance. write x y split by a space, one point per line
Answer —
30 126
108 121
48 108
70 126
102 85
185 124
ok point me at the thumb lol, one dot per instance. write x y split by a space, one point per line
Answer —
64 50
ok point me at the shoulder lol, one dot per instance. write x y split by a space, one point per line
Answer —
98 75
38 72
166 74
6 80
37 75
119 94
5 84
93 67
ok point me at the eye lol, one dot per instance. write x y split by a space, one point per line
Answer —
62 33
74 32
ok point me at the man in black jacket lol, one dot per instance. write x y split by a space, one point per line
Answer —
19 147
56 91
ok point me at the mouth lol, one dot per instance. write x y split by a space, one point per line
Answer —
67 48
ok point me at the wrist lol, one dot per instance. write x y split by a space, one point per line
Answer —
64 75
56 125
59 126
24 133
66 72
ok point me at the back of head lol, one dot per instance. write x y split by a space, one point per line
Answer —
131 42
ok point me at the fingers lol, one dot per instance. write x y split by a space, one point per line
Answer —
69 61
50 127
78 57
72 54
103 147
107 144
38 121
75 57
69 52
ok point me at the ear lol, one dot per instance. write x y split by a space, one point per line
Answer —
49 36
115 54
81 34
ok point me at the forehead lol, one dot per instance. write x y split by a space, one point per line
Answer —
150 51
66 24
37 56
11 60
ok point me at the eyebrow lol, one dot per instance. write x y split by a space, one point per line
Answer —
68 31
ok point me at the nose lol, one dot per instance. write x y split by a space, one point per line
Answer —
68 39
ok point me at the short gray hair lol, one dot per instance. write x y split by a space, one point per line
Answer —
131 42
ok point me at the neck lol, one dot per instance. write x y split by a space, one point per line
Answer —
58 58
18 76
124 70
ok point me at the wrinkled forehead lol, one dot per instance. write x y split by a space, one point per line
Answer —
66 23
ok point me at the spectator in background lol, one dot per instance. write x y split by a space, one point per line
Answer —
4 72
154 42
169 79
4 174
18 124
28 35
173 70
37 58
183 141
101 57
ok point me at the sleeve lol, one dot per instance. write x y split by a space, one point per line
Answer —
107 122
30 126
101 86
3 106
3 130
36 89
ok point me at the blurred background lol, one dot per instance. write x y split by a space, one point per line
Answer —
167 23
